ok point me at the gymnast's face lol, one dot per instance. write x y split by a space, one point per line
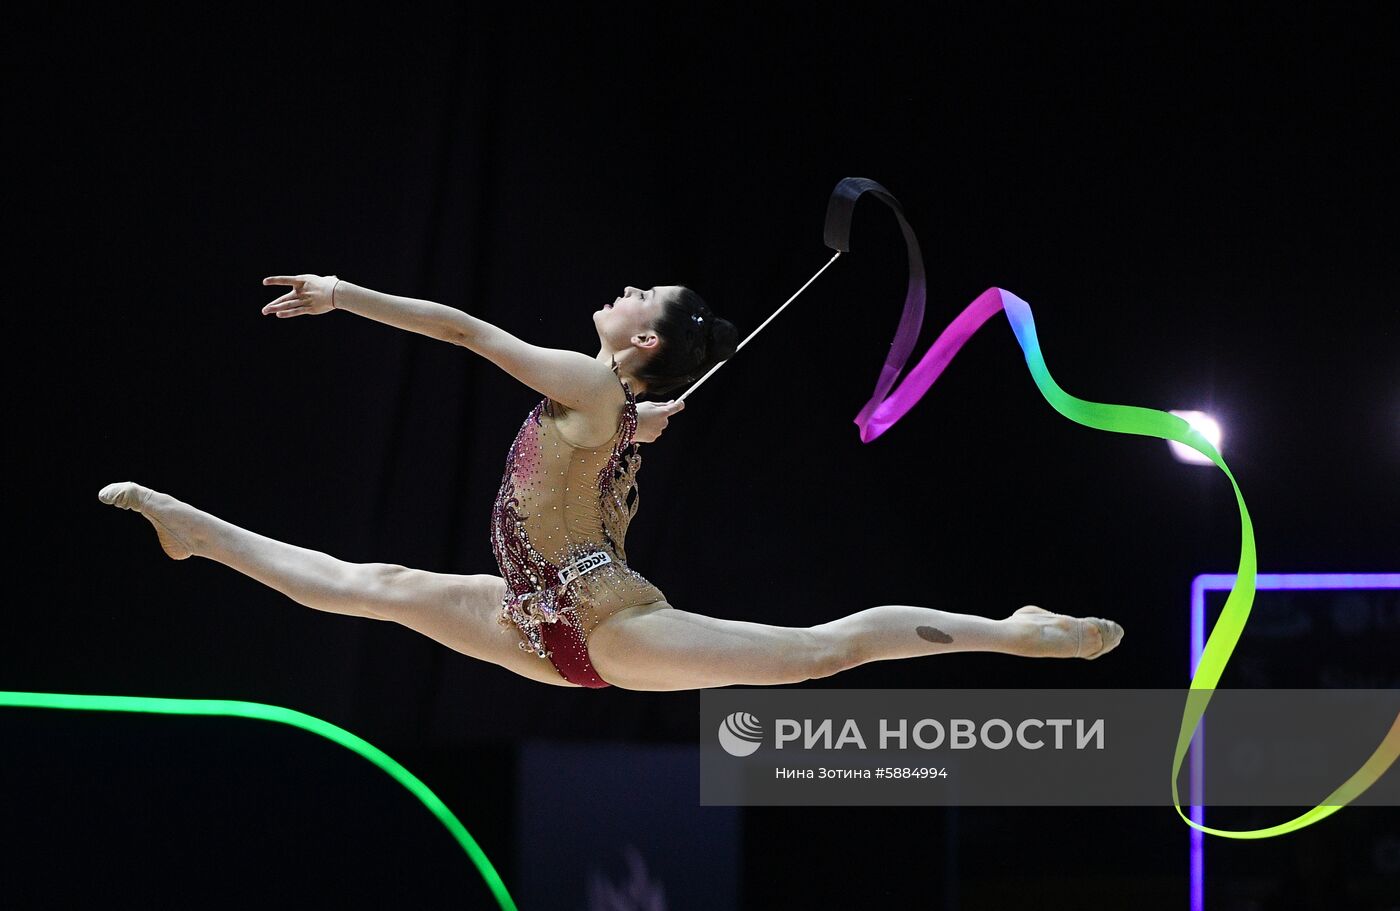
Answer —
631 319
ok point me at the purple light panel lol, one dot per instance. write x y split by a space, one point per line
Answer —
1211 582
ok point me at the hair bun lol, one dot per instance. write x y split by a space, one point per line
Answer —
694 340
723 338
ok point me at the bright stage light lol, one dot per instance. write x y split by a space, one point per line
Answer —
1207 427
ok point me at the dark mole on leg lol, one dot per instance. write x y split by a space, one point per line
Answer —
932 634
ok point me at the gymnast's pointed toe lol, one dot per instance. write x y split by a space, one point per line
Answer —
123 494
1110 634
129 495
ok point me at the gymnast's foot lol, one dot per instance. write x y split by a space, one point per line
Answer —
1059 636
158 508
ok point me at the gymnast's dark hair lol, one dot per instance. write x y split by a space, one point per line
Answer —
691 341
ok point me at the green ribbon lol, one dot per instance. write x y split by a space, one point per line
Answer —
237 709
1224 636
1145 422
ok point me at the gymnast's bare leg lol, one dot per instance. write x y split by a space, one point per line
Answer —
652 647
458 611
657 647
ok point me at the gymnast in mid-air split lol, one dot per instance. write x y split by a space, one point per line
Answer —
566 608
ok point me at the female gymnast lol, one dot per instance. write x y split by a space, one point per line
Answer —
566 609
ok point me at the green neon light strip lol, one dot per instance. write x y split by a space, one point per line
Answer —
262 712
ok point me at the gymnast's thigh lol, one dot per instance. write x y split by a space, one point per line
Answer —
460 611
658 647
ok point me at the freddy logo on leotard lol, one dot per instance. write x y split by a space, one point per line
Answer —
583 565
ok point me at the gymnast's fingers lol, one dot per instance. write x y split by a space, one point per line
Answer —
280 305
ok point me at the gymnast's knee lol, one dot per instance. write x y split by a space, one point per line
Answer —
385 589
829 653
378 579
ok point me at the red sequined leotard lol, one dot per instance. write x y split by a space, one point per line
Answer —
566 508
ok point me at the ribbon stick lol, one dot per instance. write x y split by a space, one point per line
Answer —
886 407
838 229
709 372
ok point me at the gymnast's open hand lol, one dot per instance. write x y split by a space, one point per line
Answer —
652 418
310 295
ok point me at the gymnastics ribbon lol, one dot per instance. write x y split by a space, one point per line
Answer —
886 407
264 712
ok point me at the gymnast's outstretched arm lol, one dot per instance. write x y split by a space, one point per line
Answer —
571 377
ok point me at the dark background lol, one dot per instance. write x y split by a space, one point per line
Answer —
1199 206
